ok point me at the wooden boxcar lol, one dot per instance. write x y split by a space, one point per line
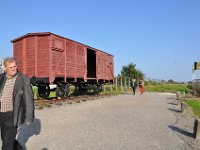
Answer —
49 59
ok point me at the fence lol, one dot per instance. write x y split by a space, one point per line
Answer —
120 84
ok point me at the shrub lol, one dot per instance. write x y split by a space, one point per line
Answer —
196 88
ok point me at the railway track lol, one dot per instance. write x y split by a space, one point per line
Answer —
41 103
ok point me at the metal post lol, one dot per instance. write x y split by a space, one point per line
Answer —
125 87
116 83
121 84
129 83
196 132
181 106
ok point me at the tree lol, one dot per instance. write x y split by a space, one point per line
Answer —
130 71
140 74
171 81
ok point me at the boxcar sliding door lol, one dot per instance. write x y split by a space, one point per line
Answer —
91 63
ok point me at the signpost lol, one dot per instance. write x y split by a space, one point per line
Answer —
196 78
196 71
196 65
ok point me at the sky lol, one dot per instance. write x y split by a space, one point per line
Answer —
162 37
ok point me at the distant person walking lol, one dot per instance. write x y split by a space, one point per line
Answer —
141 86
133 85
16 104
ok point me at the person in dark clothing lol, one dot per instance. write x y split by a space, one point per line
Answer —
16 103
133 85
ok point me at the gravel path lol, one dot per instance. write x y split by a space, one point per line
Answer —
152 121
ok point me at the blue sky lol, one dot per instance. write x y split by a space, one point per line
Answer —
162 37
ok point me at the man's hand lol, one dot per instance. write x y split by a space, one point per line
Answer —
28 122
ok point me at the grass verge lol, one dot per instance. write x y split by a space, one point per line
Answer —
194 104
167 88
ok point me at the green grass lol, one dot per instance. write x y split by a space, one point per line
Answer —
35 92
195 106
34 88
167 88
52 94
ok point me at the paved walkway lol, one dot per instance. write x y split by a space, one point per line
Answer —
152 121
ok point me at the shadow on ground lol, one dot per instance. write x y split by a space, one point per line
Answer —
179 130
173 103
24 132
171 98
174 110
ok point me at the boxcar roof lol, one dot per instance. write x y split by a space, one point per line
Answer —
49 33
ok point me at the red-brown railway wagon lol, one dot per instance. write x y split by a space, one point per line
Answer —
51 58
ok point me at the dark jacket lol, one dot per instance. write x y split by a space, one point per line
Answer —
23 100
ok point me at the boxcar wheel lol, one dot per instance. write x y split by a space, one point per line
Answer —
81 89
43 90
99 88
60 92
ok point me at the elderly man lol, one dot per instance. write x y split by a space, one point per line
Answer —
16 103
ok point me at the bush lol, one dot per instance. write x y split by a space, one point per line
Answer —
196 88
